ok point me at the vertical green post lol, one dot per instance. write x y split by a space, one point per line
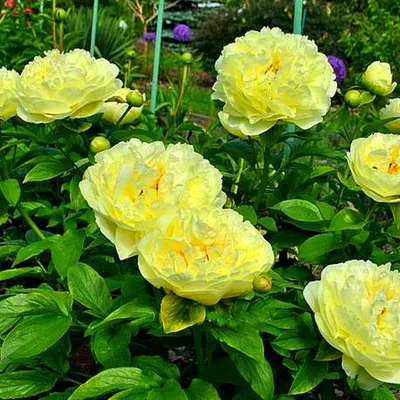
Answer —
157 55
298 17
41 6
94 26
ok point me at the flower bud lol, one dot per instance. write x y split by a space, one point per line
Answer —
60 15
131 54
262 284
99 144
187 58
135 98
353 98
378 79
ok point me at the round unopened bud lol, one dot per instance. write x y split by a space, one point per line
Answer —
131 54
262 284
99 144
187 58
135 99
60 14
353 98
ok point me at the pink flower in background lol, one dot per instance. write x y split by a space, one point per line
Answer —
9 3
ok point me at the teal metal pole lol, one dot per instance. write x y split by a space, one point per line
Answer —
157 55
298 17
94 26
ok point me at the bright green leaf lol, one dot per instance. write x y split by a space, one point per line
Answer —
45 171
327 353
319 245
13 273
156 364
248 213
268 223
299 210
11 190
308 377
32 250
200 390
170 391
34 335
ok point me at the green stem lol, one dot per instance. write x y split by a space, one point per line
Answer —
54 24
61 35
199 351
124 114
182 92
264 178
235 186
30 222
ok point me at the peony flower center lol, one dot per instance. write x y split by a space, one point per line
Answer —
393 168
380 317
273 68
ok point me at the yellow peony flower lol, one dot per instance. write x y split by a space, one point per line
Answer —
59 85
8 98
374 163
392 110
135 183
357 310
113 110
378 79
269 76
204 255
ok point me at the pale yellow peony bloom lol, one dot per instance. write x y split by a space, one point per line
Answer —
392 110
374 163
378 79
60 85
113 110
357 310
204 255
269 76
135 183
8 98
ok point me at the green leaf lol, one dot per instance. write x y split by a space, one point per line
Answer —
32 250
170 391
45 171
257 372
57 356
319 245
383 393
116 379
347 219
299 210
326 352
132 310
22 384
177 314
111 347
200 390
308 377
89 288
295 339
34 335
248 213
66 250
131 394
14 273
27 304
156 364
268 223
11 190
242 338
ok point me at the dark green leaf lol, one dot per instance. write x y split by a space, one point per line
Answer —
13 273
111 347
156 364
268 223
319 245
248 213
327 353
32 250
45 171
257 372
347 219
295 340
170 391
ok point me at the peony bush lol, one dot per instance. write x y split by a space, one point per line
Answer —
145 256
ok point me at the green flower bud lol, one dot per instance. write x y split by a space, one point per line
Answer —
99 144
187 58
60 15
378 79
131 54
135 98
262 284
353 98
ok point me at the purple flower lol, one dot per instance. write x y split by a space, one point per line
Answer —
339 67
182 33
149 37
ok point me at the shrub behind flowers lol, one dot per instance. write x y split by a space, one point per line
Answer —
144 256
